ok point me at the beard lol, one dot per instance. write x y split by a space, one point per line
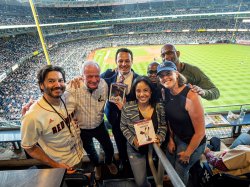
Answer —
50 91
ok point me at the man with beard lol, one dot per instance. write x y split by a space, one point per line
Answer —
199 82
50 123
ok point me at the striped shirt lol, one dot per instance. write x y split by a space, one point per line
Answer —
90 109
130 114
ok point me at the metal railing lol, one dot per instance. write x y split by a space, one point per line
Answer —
226 108
163 164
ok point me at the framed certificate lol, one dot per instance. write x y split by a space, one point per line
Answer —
117 92
145 132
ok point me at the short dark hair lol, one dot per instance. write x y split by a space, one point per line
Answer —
41 74
153 64
126 50
147 81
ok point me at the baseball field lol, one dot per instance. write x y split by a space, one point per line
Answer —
227 65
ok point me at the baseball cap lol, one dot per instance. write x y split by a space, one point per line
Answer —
166 66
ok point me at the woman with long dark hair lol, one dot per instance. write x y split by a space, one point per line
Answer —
143 107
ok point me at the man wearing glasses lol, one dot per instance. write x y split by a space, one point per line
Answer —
152 75
197 79
152 72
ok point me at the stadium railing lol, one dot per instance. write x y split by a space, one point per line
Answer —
163 164
235 127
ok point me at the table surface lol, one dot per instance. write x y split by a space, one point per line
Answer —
246 121
32 177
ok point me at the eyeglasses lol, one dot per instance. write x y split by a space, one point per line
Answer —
152 71
165 73
167 53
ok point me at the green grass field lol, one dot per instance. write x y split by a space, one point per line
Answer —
227 65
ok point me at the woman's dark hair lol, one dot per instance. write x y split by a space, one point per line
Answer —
42 73
147 81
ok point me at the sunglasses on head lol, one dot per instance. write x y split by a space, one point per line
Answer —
152 71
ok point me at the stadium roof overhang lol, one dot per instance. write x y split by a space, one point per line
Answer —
108 23
87 3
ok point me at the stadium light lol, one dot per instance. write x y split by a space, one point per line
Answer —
242 30
14 67
211 30
246 20
221 30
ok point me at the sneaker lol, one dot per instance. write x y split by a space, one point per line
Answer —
98 172
112 169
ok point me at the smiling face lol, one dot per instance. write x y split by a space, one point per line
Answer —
91 76
143 92
169 53
124 62
152 73
53 85
168 79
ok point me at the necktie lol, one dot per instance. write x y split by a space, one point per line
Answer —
122 78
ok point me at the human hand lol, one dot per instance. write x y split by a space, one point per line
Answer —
120 104
70 170
136 143
27 106
157 139
75 83
184 157
171 146
197 89
207 150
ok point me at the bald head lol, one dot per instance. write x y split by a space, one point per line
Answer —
166 48
169 53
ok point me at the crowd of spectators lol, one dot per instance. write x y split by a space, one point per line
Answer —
19 15
149 27
21 86
14 48
17 88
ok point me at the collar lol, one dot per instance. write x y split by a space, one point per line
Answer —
125 76
89 90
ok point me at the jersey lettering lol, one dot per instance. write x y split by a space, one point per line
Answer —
61 125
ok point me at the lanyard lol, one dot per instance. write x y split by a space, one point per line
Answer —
67 120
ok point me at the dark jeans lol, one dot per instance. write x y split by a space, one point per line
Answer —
101 134
121 142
